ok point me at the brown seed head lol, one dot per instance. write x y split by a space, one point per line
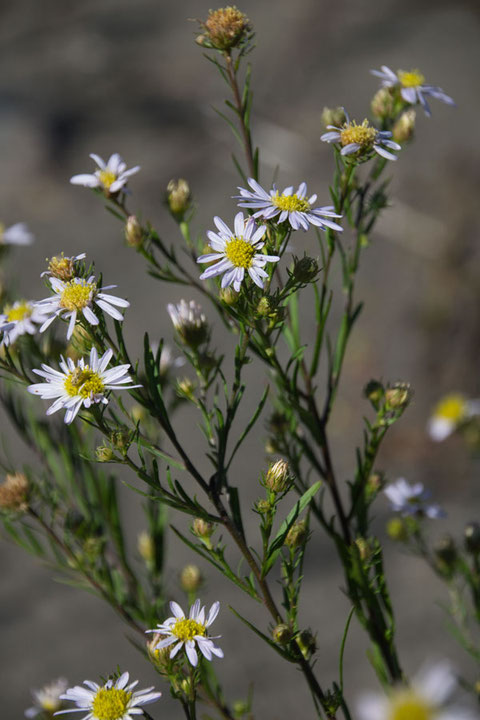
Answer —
14 493
225 28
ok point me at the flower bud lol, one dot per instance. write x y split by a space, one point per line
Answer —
382 103
185 388
160 657
120 439
404 127
93 547
375 483
305 269
374 391
397 529
179 198
297 535
240 708
264 307
133 232
228 294
364 548
146 547
278 477
398 396
14 493
263 506
103 453
333 116
282 634
307 643
191 578
225 29
202 528
138 412
472 538
446 551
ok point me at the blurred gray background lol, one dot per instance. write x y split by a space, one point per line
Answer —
123 76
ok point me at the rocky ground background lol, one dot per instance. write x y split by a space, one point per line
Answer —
126 76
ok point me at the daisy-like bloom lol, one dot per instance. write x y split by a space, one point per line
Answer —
235 252
427 698
450 412
361 140
113 701
288 205
189 322
181 631
17 234
47 701
62 267
409 499
18 319
79 295
80 385
412 88
111 176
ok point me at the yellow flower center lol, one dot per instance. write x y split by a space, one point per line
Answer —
110 704
107 178
291 203
240 252
77 295
406 705
414 78
84 382
362 134
451 407
187 629
19 311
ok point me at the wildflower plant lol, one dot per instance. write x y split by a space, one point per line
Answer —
66 506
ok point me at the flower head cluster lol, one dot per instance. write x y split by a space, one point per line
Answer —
237 252
82 384
191 632
78 295
451 412
427 698
111 176
14 493
189 322
411 86
116 700
23 317
47 699
17 234
361 141
294 207
409 499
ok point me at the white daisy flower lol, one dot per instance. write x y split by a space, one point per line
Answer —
17 234
450 412
412 499
18 319
48 700
361 140
111 176
180 631
294 207
81 385
411 86
79 295
189 321
427 698
112 701
235 252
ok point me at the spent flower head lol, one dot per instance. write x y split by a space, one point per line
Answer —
362 141
48 700
412 88
427 698
81 384
225 29
63 268
294 207
115 700
237 252
111 176
17 234
190 633
413 499
14 492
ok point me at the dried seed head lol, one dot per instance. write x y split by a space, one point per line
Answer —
225 29
14 493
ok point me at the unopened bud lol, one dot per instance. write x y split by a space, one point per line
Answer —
191 578
446 551
278 477
93 547
382 103
202 528
103 453
225 29
333 116
264 307
472 538
375 483
374 391
364 549
404 127
179 197
228 294
263 506
240 708
397 529
297 535
305 269
398 396
133 232
120 439
146 546
14 493
138 412
282 634
185 388
307 643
